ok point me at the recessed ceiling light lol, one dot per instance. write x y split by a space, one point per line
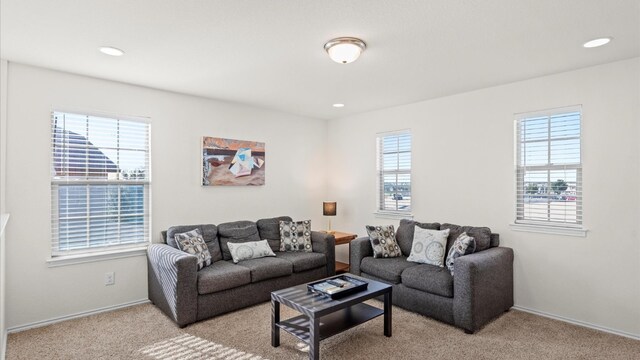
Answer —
597 42
338 105
108 50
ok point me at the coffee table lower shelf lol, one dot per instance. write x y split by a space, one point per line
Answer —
332 323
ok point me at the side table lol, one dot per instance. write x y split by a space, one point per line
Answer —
343 238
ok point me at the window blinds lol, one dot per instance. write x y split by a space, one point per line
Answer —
100 182
394 171
549 168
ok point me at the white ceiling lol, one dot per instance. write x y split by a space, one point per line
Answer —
269 53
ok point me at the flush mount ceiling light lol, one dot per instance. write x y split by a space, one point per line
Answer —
109 50
345 50
338 105
597 42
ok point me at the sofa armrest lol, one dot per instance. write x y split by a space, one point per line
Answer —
482 287
326 244
360 248
173 282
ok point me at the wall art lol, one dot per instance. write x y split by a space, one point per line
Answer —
232 162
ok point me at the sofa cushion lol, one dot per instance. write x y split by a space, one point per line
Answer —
209 234
428 246
249 250
303 261
267 268
481 234
269 229
222 275
404 235
295 236
192 243
388 269
237 232
429 278
383 241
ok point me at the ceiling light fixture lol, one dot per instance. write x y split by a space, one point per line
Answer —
345 50
597 42
108 50
338 105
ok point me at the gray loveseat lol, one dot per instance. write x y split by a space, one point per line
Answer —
187 295
480 289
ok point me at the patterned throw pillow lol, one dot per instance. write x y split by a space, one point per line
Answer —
428 246
192 243
383 241
464 245
295 236
250 250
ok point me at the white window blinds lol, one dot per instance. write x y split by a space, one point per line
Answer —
549 168
100 183
394 171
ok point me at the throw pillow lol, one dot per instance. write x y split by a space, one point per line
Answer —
192 243
250 250
295 236
428 246
464 245
383 241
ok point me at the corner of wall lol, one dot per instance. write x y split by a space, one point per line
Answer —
3 152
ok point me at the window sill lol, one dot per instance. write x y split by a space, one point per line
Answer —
546 229
94 257
393 215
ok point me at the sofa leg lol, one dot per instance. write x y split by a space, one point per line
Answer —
468 332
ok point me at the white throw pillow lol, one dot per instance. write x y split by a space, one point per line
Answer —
429 246
250 250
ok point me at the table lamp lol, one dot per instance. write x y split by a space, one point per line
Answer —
329 209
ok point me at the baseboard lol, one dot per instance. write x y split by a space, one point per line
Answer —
578 322
3 345
37 324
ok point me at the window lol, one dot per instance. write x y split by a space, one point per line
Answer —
394 171
549 168
100 183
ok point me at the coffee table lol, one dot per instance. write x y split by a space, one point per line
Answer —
323 317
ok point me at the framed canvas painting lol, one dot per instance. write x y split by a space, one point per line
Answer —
229 162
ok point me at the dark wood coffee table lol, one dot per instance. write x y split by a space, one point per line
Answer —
323 317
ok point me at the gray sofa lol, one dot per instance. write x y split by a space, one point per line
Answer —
480 289
187 295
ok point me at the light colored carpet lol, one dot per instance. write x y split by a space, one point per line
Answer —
143 332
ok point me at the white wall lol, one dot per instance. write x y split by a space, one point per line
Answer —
3 216
295 146
463 172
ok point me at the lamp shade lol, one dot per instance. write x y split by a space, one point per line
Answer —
329 208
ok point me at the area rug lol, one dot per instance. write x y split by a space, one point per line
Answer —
143 332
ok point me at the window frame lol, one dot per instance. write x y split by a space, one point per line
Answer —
380 174
521 222
107 251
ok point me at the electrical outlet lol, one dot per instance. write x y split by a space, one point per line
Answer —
109 278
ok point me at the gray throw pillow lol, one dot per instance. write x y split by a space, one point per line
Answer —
249 250
464 245
428 246
192 243
295 236
383 241
269 229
